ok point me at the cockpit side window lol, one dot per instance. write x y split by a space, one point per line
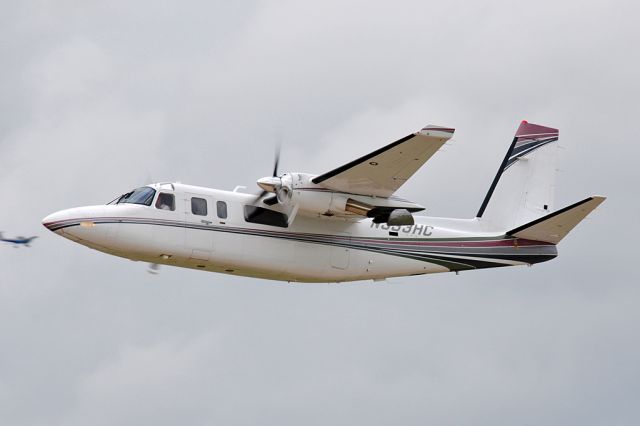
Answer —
166 202
142 196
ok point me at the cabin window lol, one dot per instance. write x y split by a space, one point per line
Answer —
199 206
221 206
264 216
166 202
142 196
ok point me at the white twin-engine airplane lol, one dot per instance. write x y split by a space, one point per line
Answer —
343 225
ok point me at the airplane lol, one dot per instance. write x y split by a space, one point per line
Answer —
343 225
18 241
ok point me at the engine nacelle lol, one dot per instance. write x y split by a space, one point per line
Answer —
319 202
297 189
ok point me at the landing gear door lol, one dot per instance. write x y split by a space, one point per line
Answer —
199 216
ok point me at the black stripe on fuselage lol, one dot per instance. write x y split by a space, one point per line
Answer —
442 255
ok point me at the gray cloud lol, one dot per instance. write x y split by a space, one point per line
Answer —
99 98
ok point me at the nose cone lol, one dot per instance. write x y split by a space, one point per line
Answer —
269 184
77 224
56 220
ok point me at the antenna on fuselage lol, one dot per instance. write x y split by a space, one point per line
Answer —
153 269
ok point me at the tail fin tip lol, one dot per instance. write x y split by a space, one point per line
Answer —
536 178
527 129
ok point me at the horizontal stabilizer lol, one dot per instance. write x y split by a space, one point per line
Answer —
555 226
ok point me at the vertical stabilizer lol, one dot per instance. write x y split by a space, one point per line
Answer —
523 188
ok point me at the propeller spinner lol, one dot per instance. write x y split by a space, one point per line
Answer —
274 184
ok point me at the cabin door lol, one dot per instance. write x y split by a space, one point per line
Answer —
340 252
199 216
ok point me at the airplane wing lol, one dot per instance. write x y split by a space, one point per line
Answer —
383 171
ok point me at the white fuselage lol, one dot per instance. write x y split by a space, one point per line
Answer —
310 249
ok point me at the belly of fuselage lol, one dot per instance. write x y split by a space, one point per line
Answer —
285 256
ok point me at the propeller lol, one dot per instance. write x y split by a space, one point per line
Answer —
279 186
269 184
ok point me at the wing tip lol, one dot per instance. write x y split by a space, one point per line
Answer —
438 131
439 128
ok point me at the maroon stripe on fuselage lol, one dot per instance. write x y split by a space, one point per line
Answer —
498 241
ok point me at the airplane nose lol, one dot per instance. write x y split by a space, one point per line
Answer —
54 220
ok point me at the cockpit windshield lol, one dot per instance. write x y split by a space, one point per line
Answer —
142 196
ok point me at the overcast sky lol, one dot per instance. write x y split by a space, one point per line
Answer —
97 98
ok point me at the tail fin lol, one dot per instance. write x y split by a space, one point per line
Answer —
523 189
555 226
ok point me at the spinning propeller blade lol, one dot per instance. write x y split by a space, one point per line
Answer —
269 201
276 160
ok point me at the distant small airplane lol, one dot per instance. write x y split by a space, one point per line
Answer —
344 225
18 241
